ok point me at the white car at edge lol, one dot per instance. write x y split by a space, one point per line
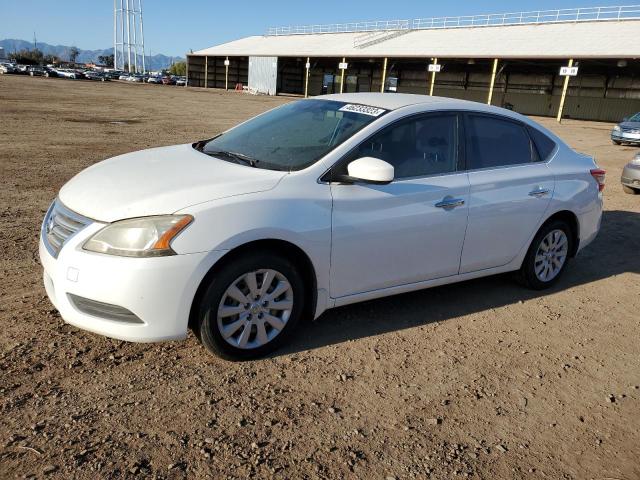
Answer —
315 204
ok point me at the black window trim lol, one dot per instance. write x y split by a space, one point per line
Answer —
461 164
523 125
554 150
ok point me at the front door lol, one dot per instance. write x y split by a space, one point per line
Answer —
412 229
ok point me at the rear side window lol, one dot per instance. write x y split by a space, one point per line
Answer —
494 142
544 144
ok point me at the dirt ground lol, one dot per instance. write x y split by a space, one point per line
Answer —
482 379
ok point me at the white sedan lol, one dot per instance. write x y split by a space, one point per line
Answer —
315 204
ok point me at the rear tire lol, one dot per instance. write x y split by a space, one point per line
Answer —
548 255
241 315
632 191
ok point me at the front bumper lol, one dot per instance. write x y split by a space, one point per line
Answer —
158 291
625 137
631 176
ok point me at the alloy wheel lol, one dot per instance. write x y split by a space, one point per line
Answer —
255 308
551 255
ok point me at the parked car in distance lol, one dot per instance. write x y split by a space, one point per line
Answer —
8 68
23 69
36 71
181 81
631 176
627 131
66 73
315 204
97 76
168 80
155 79
124 76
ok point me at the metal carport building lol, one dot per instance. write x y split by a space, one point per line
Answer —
511 60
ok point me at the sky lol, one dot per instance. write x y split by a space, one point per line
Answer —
174 27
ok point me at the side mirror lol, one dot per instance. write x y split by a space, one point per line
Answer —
370 170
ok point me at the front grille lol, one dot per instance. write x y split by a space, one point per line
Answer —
631 130
60 224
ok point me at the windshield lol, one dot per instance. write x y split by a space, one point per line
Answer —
293 136
634 118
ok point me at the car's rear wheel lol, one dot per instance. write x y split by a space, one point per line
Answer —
632 191
548 255
251 306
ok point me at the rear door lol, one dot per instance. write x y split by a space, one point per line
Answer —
510 189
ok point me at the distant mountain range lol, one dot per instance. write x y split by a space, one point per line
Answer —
156 62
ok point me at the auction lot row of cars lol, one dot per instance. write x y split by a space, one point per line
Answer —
89 74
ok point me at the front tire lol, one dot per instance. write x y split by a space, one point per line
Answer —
548 255
616 142
251 306
632 191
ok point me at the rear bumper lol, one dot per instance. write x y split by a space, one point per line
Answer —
158 291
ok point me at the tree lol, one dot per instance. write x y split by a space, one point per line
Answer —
179 69
106 60
73 54
32 57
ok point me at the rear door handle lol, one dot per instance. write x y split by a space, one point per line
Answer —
449 202
539 192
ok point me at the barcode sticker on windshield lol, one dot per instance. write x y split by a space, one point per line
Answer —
363 109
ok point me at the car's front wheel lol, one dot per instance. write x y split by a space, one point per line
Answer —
548 255
251 306
616 142
632 191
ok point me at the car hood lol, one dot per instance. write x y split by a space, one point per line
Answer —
630 125
159 181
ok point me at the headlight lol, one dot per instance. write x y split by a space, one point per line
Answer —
616 128
139 237
636 160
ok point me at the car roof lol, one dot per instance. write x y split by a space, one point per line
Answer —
393 101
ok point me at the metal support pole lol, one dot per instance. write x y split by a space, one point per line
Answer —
226 74
206 70
186 83
384 74
564 93
135 37
122 32
493 80
306 79
433 78
144 65
115 35
344 60
128 34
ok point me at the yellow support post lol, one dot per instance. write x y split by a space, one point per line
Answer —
384 74
433 78
344 60
564 93
226 74
493 80
206 70
186 83
306 79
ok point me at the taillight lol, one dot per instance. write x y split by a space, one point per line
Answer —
598 175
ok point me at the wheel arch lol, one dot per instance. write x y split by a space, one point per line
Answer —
280 247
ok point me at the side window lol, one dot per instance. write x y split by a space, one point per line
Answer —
421 146
544 144
493 142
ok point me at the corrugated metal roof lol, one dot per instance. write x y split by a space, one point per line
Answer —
559 40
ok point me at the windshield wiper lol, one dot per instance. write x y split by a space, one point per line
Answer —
239 157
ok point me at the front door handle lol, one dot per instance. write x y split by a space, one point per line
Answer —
450 202
539 192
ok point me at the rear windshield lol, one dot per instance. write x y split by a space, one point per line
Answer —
293 136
